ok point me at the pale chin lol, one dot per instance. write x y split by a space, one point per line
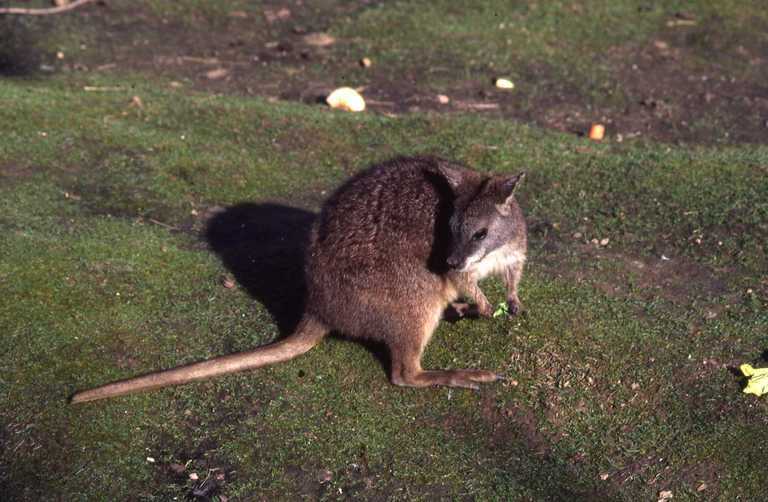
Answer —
470 262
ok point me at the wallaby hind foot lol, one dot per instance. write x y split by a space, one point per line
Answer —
465 378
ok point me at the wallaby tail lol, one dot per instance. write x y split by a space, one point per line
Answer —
308 333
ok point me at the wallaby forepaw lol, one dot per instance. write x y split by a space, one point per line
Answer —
485 310
461 310
514 306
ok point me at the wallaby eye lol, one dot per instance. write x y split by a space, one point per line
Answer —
480 234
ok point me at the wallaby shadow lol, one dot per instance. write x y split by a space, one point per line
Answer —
263 245
19 55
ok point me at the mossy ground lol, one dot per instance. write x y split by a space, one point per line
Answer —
620 374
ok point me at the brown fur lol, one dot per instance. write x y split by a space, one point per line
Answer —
392 247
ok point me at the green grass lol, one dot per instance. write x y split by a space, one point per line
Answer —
103 275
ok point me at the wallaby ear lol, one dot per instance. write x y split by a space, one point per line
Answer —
507 188
453 175
509 185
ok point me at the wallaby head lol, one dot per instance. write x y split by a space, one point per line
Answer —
486 217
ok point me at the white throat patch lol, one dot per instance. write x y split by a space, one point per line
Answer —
496 261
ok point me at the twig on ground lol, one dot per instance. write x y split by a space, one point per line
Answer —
43 12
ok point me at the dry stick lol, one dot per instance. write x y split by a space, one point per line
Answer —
43 12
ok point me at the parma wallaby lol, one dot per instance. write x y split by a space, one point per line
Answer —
390 250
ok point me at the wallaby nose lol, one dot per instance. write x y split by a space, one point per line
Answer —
453 261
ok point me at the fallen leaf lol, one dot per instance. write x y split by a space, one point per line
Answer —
276 15
346 98
319 39
216 74
665 495
597 132
502 309
681 22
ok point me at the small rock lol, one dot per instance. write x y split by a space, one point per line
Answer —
604 476
193 476
59 55
151 460
503 83
443 99
702 487
605 241
366 62
665 495
227 282
324 476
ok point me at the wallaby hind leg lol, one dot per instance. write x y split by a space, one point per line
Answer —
406 368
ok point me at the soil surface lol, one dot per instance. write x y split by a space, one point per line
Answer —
694 82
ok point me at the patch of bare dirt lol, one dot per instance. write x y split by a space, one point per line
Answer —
694 81
517 424
678 279
11 172
703 478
